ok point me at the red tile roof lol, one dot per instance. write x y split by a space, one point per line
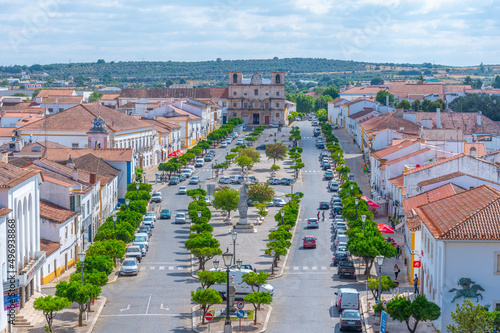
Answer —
430 196
62 100
55 92
48 246
401 89
369 90
470 215
391 121
108 154
11 175
4 211
441 178
399 181
390 150
153 93
55 213
480 148
430 165
7 131
405 157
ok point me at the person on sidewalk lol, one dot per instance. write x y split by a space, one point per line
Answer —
415 283
323 215
398 252
396 271
318 215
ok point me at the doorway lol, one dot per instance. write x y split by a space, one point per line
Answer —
256 119
65 261
266 120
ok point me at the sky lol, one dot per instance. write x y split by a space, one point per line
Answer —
447 32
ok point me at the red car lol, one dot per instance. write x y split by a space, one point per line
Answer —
309 241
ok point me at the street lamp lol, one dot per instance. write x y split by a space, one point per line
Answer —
137 187
352 188
227 257
81 256
197 199
199 216
363 220
227 152
114 220
127 201
380 262
356 201
216 264
282 212
238 263
234 236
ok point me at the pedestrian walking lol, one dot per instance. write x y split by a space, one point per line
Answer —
398 252
318 215
323 215
415 283
396 271
397 286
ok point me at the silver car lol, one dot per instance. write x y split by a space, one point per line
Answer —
180 218
141 239
129 267
134 251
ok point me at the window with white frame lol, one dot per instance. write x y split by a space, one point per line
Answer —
496 271
74 145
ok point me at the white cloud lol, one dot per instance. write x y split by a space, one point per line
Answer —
315 6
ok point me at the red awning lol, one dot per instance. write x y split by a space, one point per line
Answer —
385 229
370 202
176 153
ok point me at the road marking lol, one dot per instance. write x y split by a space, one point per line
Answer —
148 314
126 309
143 268
180 268
162 308
149 301
296 268
170 268
162 268
314 268
305 268
152 268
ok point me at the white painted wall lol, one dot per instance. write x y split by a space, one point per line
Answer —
384 139
465 182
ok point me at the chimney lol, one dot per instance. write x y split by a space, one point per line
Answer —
387 100
56 101
438 118
93 178
479 118
75 174
70 163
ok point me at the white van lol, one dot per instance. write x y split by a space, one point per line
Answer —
347 298
242 289
199 163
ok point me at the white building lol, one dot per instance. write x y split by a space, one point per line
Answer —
20 192
4 284
461 249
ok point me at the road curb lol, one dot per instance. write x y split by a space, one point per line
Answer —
97 314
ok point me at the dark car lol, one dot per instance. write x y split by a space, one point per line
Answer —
165 214
327 166
174 180
350 320
324 205
323 154
346 268
183 177
208 158
320 145
145 229
340 256
261 147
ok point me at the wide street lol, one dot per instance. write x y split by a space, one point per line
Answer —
158 298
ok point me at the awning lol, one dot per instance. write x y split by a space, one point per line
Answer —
370 202
176 153
385 229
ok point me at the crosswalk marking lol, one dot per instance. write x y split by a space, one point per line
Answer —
305 268
152 268
171 268
162 268
314 268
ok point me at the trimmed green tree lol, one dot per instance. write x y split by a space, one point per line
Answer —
255 280
113 248
75 292
470 318
276 151
257 299
205 298
387 284
226 198
209 278
260 192
203 246
404 310
50 305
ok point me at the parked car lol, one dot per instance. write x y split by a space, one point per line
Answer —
182 190
337 209
347 299
134 251
208 158
312 223
341 238
323 155
309 242
286 181
346 268
174 180
324 205
143 248
212 152
165 214
274 181
194 180
180 218
340 256
156 197
188 172
207 201
274 125
239 142
146 229
278 202
252 179
243 266
328 175
190 167
199 163
183 177
151 214
225 180
320 145
241 289
237 179
148 220
141 238
334 186
129 267
223 145
261 147
335 127
350 320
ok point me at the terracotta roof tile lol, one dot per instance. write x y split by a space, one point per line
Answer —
399 181
369 90
430 165
107 154
55 92
4 211
480 148
362 113
405 157
11 175
62 100
470 215
7 131
48 246
391 121
54 212
390 150
215 93
430 196
94 164
413 223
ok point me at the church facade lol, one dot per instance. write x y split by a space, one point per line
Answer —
257 101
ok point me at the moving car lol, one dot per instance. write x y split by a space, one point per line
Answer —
182 190
312 223
199 163
347 298
165 214
350 320
324 205
183 177
346 268
134 251
261 147
180 218
194 180
174 180
129 267
309 241
156 197
188 172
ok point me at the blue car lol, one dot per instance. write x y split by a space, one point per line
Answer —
165 214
